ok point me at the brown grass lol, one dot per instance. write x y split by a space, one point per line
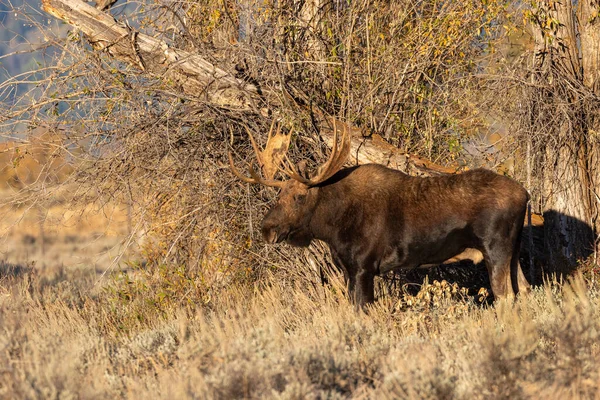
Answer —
68 234
63 337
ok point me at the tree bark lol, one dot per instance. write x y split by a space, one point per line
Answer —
589 31
569 72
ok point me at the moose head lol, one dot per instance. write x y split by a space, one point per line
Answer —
289 220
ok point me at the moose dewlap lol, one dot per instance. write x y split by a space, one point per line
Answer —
376 219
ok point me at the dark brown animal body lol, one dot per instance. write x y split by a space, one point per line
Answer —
376 219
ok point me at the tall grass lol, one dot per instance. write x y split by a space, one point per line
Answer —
63 337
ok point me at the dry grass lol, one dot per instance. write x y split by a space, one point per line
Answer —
63 337
68 234
163 330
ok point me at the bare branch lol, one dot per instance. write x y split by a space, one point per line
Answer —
193 73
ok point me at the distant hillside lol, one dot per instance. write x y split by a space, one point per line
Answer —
38 160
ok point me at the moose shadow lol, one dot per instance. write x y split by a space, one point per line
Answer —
540 259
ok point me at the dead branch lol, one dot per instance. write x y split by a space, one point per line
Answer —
193 74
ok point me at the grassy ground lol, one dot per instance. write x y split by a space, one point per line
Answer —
64 337
90 236
65 333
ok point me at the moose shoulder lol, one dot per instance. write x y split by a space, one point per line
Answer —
376 219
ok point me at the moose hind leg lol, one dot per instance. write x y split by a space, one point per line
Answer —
520 284
498 261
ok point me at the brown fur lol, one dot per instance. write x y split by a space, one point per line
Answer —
376 219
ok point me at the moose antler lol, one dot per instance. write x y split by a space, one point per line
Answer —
274 158
336 159
269 159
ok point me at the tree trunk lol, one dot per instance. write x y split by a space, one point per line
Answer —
568 74
568 219
589 17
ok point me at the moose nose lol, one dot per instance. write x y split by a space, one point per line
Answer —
270 235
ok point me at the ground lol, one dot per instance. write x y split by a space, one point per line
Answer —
70 330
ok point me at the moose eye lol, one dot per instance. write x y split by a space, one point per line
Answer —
299 198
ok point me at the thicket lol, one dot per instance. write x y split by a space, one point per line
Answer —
451 82
409 71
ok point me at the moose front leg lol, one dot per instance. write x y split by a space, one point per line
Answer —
349 275
361 287
359 282
365 288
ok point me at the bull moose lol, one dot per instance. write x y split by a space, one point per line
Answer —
376 219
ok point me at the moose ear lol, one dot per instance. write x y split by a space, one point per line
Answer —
302 168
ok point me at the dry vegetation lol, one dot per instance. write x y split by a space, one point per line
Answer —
200 308
42 224
64 337
90 236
